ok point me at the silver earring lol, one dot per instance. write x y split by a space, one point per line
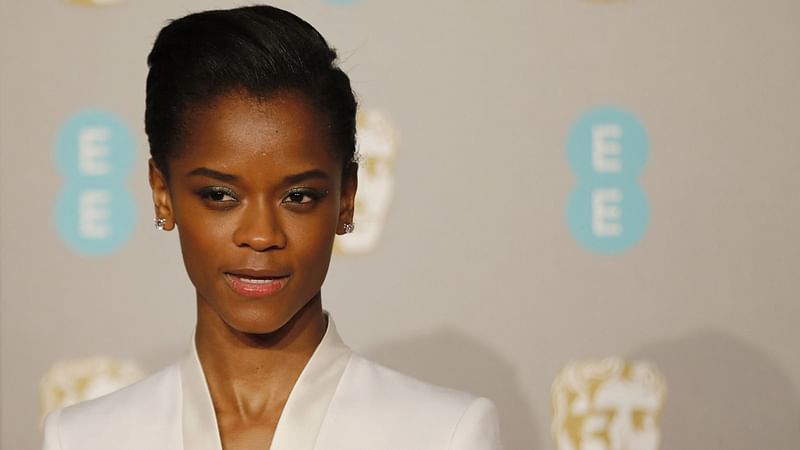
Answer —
160 222
348 228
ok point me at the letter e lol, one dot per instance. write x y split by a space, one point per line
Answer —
93 214
605 148
93 151
606 212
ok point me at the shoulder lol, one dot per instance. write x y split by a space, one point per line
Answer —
400 411
127 418
378 381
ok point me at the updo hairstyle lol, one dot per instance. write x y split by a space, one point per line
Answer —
258 50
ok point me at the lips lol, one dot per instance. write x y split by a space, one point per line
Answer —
255 283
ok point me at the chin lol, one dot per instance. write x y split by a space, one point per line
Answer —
267 318
262 316
257 323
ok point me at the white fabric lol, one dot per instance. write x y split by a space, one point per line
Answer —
341 401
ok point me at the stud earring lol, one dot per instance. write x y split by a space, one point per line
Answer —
348 228
160 222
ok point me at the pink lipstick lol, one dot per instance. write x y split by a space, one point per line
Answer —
255 286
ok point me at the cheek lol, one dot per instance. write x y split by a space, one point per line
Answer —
202 243
311 240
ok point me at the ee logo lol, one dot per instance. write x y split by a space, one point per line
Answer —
95 213
608 211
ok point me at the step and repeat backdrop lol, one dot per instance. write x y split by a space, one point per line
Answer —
585 210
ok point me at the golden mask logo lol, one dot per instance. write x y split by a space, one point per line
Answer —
610 404
377 148
93 2
73 381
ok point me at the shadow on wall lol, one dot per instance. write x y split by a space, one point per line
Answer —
453 359
723 393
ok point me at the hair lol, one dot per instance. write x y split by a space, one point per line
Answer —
258 50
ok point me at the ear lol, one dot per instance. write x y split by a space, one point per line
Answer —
347 200
162 201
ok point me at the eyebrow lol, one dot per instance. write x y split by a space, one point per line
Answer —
307 175
211 173
229 178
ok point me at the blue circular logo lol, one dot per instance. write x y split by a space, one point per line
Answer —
95 213
608 212
94 146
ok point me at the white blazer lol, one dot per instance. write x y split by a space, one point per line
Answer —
341 401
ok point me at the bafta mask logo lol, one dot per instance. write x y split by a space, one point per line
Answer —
377 148
610 404
73 381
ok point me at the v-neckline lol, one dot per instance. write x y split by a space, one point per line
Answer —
302 416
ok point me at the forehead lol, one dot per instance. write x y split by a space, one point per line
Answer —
241 133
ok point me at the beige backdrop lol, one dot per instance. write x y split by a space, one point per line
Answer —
477 282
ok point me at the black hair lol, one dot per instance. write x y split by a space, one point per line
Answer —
260 50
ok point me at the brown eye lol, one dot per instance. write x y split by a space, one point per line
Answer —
216 194
298 197
303 196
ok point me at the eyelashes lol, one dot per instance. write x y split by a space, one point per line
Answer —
303 195
217 194
296 197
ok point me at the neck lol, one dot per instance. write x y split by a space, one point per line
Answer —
252 374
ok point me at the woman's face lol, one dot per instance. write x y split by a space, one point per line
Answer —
257 194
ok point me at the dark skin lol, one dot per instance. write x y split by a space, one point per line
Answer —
256 191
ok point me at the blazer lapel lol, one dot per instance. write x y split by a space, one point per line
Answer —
302 415
200 431
308 402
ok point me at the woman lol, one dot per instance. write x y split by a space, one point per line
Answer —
251 127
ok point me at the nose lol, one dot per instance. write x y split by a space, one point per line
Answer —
259 228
